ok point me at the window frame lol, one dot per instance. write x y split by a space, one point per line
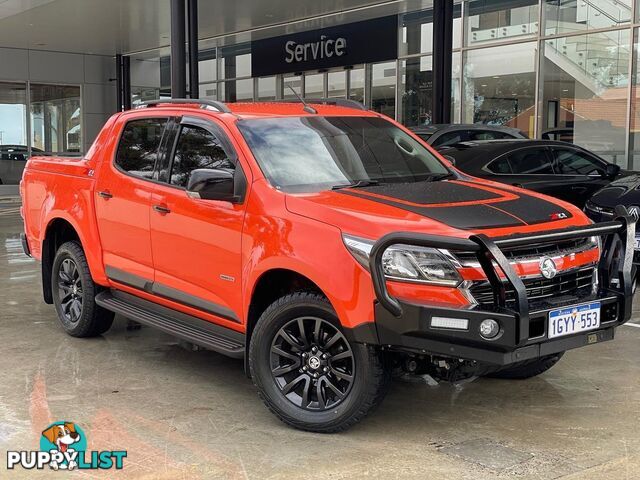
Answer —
240 176
114 162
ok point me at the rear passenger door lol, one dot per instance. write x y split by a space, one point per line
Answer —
196 243
123 192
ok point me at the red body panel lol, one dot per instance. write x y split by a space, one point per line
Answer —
218 251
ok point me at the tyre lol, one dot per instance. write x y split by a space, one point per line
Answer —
528 368
74 294
307 372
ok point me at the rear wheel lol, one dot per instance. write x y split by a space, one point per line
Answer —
74 294
528 368
307 372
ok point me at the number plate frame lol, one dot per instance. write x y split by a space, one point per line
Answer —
583 322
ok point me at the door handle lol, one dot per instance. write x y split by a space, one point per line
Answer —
106 194
161 209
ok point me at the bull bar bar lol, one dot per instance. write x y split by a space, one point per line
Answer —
616 262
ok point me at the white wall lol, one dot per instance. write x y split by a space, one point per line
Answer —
91 72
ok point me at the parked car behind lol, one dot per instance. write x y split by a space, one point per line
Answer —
558 169
12 162
447 134
625 191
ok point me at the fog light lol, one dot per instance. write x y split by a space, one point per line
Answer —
489 328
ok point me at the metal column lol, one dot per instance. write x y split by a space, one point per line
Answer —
194 76
442 56
126 83
178 52
119 83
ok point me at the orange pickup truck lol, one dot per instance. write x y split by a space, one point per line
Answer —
324 244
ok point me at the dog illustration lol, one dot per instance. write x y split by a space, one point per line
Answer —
62 436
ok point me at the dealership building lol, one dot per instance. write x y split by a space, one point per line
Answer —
551 68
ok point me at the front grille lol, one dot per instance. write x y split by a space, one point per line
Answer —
538 288
535 251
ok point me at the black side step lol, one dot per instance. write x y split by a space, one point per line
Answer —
192 329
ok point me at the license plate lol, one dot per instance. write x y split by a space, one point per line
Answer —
637 243
570 320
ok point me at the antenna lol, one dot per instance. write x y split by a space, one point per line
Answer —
307 108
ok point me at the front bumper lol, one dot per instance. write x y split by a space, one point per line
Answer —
407 326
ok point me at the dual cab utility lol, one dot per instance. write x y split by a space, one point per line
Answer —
328 246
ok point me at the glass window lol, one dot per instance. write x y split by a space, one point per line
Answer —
197 148
236 61
267 88
501 92
238 90
289 82
566 16
315 152
337 84
449 138
56 118
500 166
417 31
416 91
573 162
356 84
314 85
529 161
13 132
585 82
138 148
488 135
491 21
207 66
383 88
210 90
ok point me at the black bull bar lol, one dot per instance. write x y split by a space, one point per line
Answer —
615 269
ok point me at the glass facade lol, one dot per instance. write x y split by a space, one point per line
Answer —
37 119
558 69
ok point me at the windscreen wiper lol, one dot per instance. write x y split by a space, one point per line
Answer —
358 184
440 176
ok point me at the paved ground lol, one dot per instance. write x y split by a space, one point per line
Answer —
183 414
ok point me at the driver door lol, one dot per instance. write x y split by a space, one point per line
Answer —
196 243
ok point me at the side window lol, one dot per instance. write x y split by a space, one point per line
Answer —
575 162
488 135
450 138
501 165
138 148
197 148
529 161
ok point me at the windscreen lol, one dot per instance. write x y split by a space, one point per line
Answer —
315 153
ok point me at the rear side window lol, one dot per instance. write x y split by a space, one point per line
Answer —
530 161
500 165
197 148
139 144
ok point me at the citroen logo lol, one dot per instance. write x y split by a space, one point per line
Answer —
548 267
634 211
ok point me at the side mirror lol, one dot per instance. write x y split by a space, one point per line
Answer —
612 170
212 184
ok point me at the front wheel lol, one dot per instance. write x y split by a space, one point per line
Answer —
307 372
528 368
74 294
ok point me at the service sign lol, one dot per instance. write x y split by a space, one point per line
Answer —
351 44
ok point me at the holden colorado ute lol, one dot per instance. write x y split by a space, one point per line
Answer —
324 244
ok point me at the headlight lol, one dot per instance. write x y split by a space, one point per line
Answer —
408 262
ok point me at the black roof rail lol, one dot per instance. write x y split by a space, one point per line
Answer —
339 102
220 106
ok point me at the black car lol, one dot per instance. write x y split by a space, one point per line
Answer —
12 161
624 191
442 135
558 169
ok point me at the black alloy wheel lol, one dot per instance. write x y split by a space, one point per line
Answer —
312 363
70 291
